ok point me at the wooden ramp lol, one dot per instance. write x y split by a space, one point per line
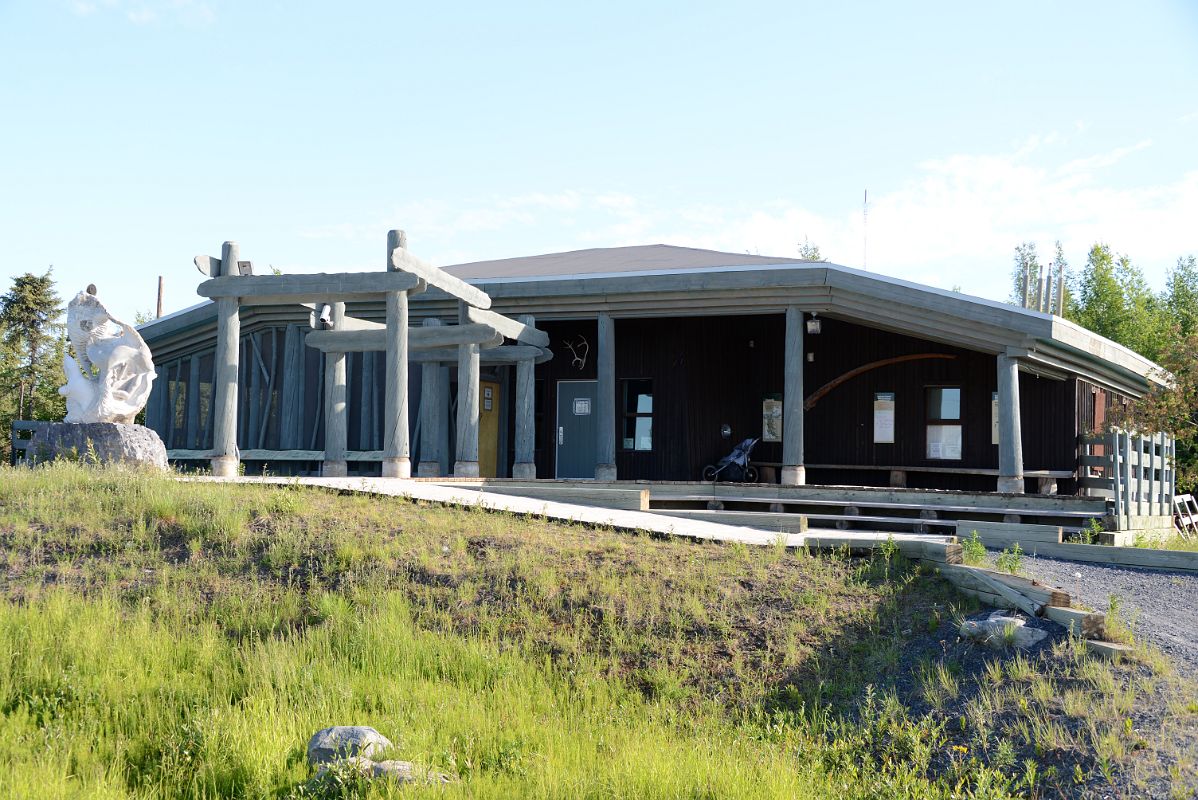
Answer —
911 545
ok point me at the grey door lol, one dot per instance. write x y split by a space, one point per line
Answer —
577 429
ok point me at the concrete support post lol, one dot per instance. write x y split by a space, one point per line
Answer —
793 395
1010 432
605 401
525 466
397 462
431 401
466 465
336 411
225 456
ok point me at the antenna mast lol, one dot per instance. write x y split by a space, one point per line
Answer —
864 229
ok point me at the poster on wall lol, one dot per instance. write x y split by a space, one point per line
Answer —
883 417
994 418
771 418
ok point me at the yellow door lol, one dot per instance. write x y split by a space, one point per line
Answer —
488 429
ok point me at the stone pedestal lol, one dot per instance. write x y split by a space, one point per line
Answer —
99 443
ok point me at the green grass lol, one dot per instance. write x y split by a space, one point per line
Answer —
170 639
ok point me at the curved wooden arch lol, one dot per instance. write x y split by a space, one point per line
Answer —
815 396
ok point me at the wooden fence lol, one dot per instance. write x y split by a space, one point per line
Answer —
1133 470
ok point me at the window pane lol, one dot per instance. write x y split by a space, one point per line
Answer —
644 433
944 403
944 442
638 433
638 397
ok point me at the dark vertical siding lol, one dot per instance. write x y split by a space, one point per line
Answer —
711 371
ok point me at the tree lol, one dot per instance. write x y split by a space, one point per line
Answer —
1114 300
1173 407
1025 274
1181 295
809 251
33 345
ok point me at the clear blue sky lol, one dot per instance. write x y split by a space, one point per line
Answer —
136 134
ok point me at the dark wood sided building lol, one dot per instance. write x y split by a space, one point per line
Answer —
666 357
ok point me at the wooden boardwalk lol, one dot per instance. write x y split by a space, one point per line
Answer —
642 521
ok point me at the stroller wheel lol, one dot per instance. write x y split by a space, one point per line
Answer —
751 475
709 472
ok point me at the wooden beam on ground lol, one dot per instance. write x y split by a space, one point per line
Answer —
1111 650
298 289
367 341
1005 534
1088 624
1015 598
512 329
402 260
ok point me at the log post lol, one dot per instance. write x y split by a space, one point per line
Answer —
1010 432
525 466
225 456
605 400
336 413
192 439
397 461
291 400
431 401
793 471
466 464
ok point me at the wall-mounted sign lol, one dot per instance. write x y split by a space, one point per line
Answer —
883 417
582 406
771 418
488 398
994 418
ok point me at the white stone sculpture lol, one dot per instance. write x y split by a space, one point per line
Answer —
110 377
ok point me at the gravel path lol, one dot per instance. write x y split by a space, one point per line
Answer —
1161 605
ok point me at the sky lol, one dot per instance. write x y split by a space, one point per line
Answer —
136 134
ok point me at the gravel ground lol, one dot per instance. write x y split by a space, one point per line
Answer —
1161 606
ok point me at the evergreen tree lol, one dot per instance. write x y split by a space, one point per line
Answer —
33 343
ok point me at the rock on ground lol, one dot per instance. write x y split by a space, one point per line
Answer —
101 442
401 771
998 628
346 741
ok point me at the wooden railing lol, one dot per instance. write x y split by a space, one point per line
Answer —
1133 470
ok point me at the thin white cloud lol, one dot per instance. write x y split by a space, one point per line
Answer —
956 222
145 12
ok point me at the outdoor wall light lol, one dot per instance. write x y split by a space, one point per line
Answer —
814 324
726 431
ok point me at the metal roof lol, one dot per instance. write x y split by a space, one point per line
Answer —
608 260
662 280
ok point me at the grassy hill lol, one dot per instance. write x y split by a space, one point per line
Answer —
169 639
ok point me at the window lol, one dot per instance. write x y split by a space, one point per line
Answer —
638 414
944 423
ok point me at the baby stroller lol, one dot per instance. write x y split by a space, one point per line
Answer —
734 466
